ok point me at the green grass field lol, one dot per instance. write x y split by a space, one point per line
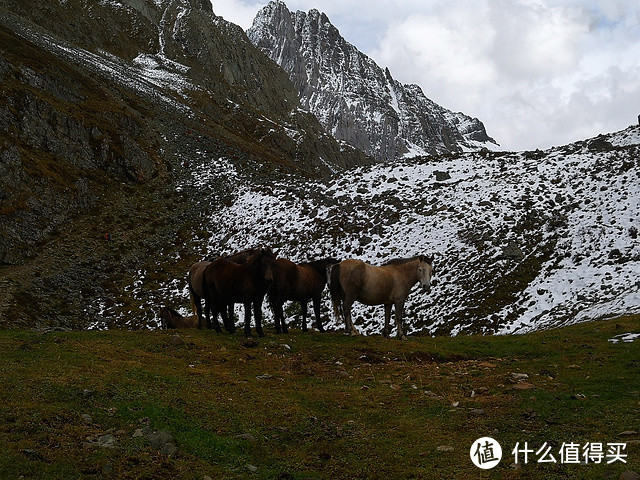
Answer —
314 406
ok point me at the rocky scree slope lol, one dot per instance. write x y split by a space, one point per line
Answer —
354 99
522 241
104 106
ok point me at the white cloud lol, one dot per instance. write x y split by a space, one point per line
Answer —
237 11
536 72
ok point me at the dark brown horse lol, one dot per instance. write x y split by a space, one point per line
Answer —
197 293
226 282
388 285
240 258
301 283
169 318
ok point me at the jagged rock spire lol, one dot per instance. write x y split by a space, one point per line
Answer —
354 98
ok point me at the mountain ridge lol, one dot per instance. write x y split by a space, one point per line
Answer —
104 107
356 100
177 157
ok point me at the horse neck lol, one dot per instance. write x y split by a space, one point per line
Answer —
241 257
410 271
318 266
253 266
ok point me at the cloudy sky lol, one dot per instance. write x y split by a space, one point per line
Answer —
537 73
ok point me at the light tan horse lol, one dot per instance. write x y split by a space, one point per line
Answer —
389 285
169 318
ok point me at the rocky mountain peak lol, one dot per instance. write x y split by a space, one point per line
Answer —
354 98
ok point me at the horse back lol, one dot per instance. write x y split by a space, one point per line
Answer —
366 283
230 281
287 280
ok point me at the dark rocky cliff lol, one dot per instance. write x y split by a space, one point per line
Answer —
104 109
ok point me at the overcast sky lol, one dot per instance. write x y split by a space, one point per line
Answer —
537 73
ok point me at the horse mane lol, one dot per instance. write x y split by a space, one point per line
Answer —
402 261
237 257
245 252
320 265
253 259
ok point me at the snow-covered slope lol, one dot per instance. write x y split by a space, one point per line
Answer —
354 99
522 241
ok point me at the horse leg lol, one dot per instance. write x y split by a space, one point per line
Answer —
399 312
213 322
351 330
387 319
277 312
207 313
283 322
305 311
247 319
232 318
316 311
198 305
214 314
257 312
229 320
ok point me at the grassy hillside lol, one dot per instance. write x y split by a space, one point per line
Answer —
87 404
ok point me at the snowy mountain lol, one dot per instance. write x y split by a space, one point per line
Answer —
354 99
162 125
522 241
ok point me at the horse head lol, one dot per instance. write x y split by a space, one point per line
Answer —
267 264
425 272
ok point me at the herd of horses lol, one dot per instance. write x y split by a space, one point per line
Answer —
246 277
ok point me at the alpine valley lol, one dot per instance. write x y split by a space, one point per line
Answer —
177 134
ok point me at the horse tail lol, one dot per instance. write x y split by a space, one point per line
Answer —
191 294
335 289
193 302
191 298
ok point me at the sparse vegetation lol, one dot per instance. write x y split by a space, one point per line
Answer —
312 406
